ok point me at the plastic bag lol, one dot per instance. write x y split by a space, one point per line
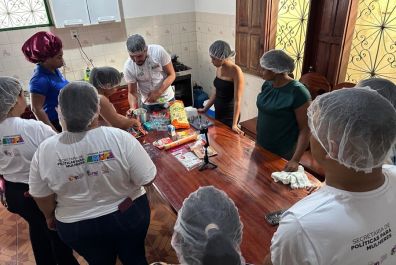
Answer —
199 96
178 115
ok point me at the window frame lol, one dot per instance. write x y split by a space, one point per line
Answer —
50 21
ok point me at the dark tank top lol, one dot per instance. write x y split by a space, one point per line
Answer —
224 101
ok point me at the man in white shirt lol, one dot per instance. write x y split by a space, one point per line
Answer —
148 72
351 219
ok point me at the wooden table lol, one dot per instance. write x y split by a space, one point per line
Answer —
244 173
307 161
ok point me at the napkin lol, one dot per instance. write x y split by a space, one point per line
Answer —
297 179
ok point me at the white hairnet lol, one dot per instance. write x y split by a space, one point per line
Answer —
220 50
79 105
136 43
355 126
105 77
206 212
277 61
384 87
10 88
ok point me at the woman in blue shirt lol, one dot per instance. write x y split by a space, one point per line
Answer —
45 50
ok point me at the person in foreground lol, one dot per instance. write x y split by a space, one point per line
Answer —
350 220
282 126
45 50
149 73
229 85
105 80
208 229
20 139
88 181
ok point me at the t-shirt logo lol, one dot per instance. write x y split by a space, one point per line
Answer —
156 65
100 156
12 139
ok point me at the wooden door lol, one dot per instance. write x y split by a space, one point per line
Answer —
250 32
326 39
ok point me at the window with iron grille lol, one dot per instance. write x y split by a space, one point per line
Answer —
16 14
373 50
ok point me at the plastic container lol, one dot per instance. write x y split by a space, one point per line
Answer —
87 73
140 114
211 110
191 112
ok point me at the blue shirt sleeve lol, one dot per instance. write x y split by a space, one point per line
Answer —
39 85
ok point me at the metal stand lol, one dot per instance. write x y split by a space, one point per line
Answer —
207 163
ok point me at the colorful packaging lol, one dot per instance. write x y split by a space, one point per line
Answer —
178 115
171 130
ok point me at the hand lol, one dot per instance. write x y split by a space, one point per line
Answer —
129 113
202 110
136 124
51 223
236 129
2 192
312 189
153 96
291 166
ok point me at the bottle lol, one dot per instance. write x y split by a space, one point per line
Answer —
86 74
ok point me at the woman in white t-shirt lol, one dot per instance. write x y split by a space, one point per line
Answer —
20 139
88 181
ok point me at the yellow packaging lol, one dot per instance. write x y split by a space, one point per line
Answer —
178 115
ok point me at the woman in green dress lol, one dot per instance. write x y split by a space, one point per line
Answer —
282 126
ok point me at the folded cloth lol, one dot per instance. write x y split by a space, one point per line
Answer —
296 179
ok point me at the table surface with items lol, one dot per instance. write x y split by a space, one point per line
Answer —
243 172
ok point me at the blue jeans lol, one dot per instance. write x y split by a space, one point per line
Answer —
102 239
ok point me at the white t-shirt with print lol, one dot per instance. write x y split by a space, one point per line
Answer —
333 227
19 140
91 172
151 74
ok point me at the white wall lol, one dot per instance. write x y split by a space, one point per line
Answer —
143 8
216 6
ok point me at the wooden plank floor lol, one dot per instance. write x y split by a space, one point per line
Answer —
15 247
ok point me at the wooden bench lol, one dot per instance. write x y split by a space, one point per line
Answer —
307 161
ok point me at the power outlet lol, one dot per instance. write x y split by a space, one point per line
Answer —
74 33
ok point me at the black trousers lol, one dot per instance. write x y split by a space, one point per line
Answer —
121 233
48 249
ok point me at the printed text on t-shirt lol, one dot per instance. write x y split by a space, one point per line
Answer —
373 239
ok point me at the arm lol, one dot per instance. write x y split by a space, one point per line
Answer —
2 191
37 101
141 168
239 85
303 137
210 102
171 75
108 112
133 95
47 205
267 260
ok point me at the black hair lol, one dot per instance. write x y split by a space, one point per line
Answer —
101 76
219 250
